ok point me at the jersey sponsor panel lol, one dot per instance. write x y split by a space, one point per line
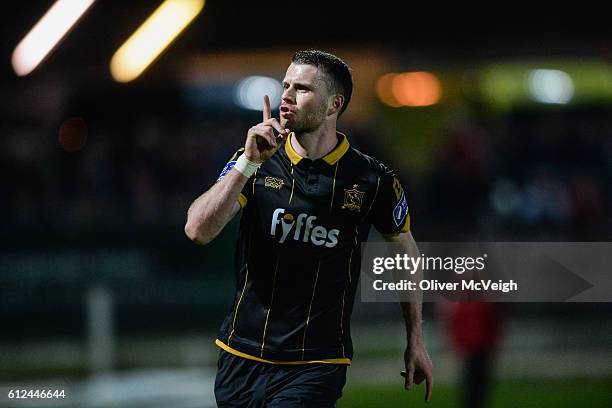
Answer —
302 227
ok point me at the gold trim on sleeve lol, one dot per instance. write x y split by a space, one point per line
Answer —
242 200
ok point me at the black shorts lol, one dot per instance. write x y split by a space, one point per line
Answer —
250 384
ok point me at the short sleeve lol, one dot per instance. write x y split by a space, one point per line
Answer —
390 213
247 191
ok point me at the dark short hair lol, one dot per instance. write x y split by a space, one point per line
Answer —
338 73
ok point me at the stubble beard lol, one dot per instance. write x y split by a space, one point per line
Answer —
308 123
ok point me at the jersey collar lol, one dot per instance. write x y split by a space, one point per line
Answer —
330 158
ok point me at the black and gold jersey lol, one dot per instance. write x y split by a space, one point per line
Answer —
298 254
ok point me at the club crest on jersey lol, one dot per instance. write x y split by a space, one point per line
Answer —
302 228
273 182
353 199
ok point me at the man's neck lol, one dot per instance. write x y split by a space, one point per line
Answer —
316 144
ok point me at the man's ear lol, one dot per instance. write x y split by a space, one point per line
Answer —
336 104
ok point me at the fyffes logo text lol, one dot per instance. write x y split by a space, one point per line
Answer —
302 228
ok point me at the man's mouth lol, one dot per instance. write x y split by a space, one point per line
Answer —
286 112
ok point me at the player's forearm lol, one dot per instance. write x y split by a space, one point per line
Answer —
411 311
211 212
412 317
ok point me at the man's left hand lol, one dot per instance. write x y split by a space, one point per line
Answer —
418 368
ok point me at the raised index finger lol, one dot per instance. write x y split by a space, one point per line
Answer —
267 114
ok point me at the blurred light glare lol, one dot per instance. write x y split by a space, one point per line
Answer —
409 89
416 88
385 92
550 86
153 37
250 91
47 34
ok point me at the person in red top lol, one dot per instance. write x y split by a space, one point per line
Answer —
475 330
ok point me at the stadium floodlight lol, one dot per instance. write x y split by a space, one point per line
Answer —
250 91
550 86
418 88
47 34
153 37
384 90
412 89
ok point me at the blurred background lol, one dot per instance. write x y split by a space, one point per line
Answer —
499 124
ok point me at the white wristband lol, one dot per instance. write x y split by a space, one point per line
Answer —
245 166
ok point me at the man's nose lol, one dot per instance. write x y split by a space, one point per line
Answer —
287 96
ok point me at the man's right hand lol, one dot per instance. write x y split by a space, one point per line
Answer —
261 143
